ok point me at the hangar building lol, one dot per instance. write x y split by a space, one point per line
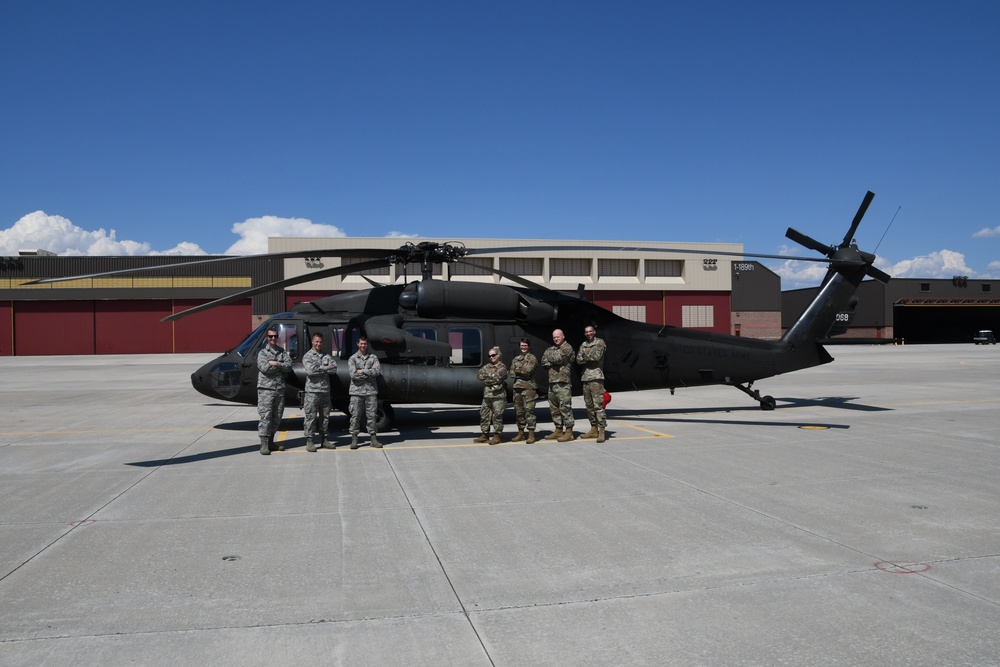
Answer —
913 310
121 314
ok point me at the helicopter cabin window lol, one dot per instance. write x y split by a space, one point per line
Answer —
569 266
333 339
619 268
634 313
664 268
427 333
482 267
522 266
698 317
377 271
351 338
466 346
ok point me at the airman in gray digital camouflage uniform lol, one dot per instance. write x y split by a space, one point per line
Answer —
591 357
558 359
522 367
494 378
316 399
272 364
364 369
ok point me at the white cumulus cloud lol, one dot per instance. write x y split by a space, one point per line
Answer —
795 274
940 264
253 232
986 233
40 231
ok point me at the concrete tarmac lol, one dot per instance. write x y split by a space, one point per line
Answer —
857 524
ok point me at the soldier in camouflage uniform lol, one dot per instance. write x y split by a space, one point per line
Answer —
591 357
522 367
558 359
364 369
316 399
494 378
272 364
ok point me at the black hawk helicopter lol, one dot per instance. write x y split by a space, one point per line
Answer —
430 334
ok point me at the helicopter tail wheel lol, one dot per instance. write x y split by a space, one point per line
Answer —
766 402
385 416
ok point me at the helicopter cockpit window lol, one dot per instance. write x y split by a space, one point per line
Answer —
466 346
243 349
288 338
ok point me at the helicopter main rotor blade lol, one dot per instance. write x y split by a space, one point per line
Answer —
857 219
523 282
278 284
292 254
683 251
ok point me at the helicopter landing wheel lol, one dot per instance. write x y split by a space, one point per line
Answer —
385 416
767 403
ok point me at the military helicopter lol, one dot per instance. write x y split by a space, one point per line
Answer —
430 334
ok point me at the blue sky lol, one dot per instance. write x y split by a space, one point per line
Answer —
190 127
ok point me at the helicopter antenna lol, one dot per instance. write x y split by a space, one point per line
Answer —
887 229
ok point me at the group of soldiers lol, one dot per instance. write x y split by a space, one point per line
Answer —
273 363
558 360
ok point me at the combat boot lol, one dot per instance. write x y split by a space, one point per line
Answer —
531 438
519 437
310 446
354 441
265 445
496 439
482 438
554 435
600 434
327 444
592 433
375 443
567 436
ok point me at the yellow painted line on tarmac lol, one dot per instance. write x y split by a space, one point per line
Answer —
644 430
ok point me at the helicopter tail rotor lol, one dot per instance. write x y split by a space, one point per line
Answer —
809 242
847 253
849 236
